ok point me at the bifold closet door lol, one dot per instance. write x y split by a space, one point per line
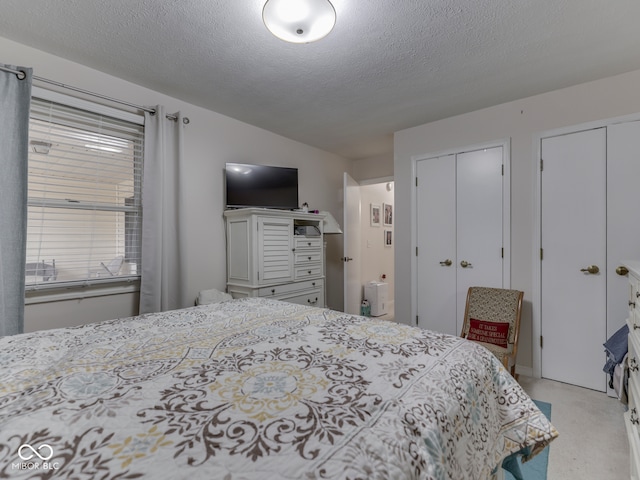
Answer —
459 233
436 233
479 223
574 251
589 211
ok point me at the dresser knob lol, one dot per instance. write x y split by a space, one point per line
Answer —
273 291
634 416
633 365
636 326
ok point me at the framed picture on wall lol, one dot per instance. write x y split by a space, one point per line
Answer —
388 214
375 215
388 238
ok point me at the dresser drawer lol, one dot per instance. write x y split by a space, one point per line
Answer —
633 322
303 243
301 258
307 272
313 298
277 290
633 362
634 293
634 444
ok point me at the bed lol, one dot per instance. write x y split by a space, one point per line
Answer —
258 389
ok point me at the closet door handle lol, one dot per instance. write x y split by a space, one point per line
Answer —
592 269
465 264
446 263
622 270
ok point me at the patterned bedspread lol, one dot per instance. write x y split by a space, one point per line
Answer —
257 389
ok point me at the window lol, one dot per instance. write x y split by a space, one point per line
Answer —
84 197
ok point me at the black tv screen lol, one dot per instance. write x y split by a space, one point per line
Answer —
261 186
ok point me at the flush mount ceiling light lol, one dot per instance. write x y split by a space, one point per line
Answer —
299 21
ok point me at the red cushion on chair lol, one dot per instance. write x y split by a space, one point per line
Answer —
496 333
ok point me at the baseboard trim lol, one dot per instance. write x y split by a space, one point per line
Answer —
526 371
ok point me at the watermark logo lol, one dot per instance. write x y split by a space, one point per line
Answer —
30 458
27 452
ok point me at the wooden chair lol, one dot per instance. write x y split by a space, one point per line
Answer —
492 318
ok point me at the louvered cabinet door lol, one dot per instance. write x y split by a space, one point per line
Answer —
275 251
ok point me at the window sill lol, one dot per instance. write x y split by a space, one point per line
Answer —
63 292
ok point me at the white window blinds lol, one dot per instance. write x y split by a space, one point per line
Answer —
84 206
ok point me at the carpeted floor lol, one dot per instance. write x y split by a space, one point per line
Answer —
536 469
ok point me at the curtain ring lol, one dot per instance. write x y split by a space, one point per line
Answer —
21 74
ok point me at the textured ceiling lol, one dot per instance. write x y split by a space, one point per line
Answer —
387 65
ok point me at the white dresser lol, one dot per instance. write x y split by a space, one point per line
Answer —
275 253
632 416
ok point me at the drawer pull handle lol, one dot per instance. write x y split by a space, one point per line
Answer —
312 301
636 326
634 416
637 294
633 365
632 304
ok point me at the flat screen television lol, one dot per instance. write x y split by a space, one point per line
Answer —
261 186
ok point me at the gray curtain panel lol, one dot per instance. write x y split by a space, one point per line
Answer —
15 100
162 275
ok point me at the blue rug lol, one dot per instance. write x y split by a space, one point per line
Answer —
535 469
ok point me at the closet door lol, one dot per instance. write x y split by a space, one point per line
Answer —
436 234
459 228
573 230
479 223
623 229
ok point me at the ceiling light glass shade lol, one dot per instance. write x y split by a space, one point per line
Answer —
299 21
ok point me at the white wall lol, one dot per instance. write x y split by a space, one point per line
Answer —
520 120
211 140
373 167
377 259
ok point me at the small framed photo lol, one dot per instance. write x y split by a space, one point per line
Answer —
388 238
375 215
388 214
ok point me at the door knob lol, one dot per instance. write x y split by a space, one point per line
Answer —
465 264
593 269
446 263
622 270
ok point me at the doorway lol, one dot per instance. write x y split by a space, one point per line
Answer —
586 188
369 243
462 230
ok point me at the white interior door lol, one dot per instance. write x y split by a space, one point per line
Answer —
436 233
459 218
479 223
351 248
573 238
623 231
